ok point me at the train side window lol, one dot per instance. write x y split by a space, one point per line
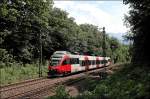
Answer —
99 61
104 61
93 62
77 60
89 62
83 63
71 61
74 61
80 62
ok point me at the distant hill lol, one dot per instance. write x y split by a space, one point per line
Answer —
119 37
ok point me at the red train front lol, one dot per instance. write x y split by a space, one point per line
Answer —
58 64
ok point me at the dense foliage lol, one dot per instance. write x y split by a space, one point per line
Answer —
139 22
26 25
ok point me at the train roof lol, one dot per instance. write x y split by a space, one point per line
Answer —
62 53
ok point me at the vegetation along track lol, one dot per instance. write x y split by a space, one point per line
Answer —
38 87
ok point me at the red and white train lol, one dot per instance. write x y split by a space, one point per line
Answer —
63 62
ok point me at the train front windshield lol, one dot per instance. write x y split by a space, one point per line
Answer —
54 62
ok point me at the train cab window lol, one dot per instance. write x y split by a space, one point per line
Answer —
54 62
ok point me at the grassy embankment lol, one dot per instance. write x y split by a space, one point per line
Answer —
18 73
130 82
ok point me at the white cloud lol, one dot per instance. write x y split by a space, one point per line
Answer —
64 4
92 13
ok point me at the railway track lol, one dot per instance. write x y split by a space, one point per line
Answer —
50 90
21 84
38 88
20 88
30 89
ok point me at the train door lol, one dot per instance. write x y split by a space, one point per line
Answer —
74 64
65 66
97 62
86 63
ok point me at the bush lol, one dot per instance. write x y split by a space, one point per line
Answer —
61 93
128 83
6 59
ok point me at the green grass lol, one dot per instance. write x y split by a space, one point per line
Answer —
18 73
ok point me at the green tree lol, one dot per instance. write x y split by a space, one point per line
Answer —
139 22
24 21
93 39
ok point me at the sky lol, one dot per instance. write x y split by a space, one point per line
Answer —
108 14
